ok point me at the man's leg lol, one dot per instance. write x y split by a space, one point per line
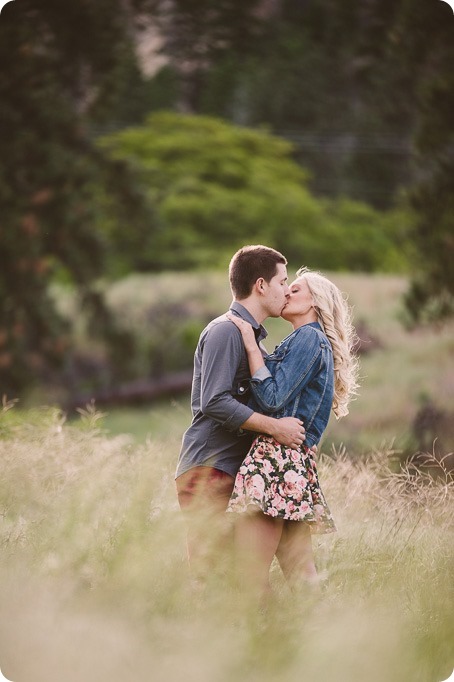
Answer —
203 495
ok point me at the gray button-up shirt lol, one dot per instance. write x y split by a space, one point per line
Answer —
220 392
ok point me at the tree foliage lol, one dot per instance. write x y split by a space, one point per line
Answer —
215 185
431 295
366 92
198 33
303 75
55 186
408 74
359 86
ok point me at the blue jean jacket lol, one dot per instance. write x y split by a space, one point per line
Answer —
298 380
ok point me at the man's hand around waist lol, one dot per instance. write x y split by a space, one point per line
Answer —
288 431
301 433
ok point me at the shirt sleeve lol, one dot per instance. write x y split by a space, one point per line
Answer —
296 369
222 353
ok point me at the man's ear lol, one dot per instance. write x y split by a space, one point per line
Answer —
259 285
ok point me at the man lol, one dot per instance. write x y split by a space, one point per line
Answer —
223 425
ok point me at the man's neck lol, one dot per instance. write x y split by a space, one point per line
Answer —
254 308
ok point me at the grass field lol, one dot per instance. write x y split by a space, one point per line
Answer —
94 585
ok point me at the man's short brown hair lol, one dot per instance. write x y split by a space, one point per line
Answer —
249 264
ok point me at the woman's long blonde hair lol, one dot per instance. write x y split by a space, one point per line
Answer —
335 317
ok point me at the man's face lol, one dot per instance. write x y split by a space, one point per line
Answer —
276 291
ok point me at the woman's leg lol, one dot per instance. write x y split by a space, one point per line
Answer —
295 554
257 537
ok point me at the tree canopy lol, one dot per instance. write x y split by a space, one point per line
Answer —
363 90
55 185
215 185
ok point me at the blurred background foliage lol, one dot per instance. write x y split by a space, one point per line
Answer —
150 135
215 185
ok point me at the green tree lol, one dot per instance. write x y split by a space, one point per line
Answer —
411 68
216 186
431 294
56 188
197 33
308 71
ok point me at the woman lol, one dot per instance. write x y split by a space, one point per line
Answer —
277 493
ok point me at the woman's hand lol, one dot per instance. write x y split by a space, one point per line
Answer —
246 329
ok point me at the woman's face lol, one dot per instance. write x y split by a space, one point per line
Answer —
299 302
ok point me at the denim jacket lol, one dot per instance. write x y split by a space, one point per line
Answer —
298 380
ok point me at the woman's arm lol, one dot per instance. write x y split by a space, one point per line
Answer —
254 354
256 362
292 373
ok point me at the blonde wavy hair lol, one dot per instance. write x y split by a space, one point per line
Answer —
335 317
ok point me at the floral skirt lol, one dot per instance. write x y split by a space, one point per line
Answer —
282 483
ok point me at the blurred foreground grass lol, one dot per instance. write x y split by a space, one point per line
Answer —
94 585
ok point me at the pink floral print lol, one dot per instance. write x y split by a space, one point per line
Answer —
282 483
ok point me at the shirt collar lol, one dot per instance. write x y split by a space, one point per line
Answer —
259 330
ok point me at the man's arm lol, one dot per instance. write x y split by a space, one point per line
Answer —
223 348
288 431
221 356
272 392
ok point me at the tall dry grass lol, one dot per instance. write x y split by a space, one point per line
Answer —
94 584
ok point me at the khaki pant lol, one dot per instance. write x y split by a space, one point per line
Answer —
203 495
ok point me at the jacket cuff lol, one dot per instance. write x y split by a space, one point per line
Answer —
261 374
